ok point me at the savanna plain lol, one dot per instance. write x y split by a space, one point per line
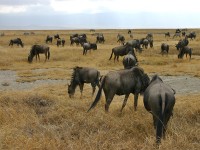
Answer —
40 115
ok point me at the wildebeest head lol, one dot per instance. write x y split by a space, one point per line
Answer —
71 90
30 58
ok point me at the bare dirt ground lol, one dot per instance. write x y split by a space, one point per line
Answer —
182 84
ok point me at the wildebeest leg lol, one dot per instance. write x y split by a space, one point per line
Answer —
81 85
135 101
117 58
125 100
109 99
38 56
93 88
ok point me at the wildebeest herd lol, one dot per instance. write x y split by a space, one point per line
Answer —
158 99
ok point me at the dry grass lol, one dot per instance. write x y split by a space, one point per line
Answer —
45 118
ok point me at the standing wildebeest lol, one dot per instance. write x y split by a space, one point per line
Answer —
56 36
122 82
88 46
17 41
145 43
167 34
149 36
49 39
159 100
120 38
100 38
129 31
36 50
191 35
120 51
60 42
83 75
164 48
185 50
130 60
182 43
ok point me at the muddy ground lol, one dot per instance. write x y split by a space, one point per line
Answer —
182 84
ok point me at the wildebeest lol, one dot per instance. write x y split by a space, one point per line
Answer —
129 31
100 38
56 36
167 34
120 38
135 44
88 46
122 82
182 43
83 75
120 51
39 49
149 36
60 42
185 50
164 48
145 43
17 41
49 39
130 60
159 100
191 35
92 30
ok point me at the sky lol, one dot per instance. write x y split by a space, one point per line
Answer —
99 14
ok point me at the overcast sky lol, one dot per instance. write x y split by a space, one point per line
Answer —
87 14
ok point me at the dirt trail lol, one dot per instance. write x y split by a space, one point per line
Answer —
182 84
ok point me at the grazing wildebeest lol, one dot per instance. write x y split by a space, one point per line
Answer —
56 36
159 100
135 44
120 38
129 31
100 38
164 48
120 51
17 41
60 42
185 50
182 43
39 49
83 75
122 82
49 39
167 34
75 40
88 46
191 35
130 60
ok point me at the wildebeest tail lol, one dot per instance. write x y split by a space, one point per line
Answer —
160 125
111 54
98 95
